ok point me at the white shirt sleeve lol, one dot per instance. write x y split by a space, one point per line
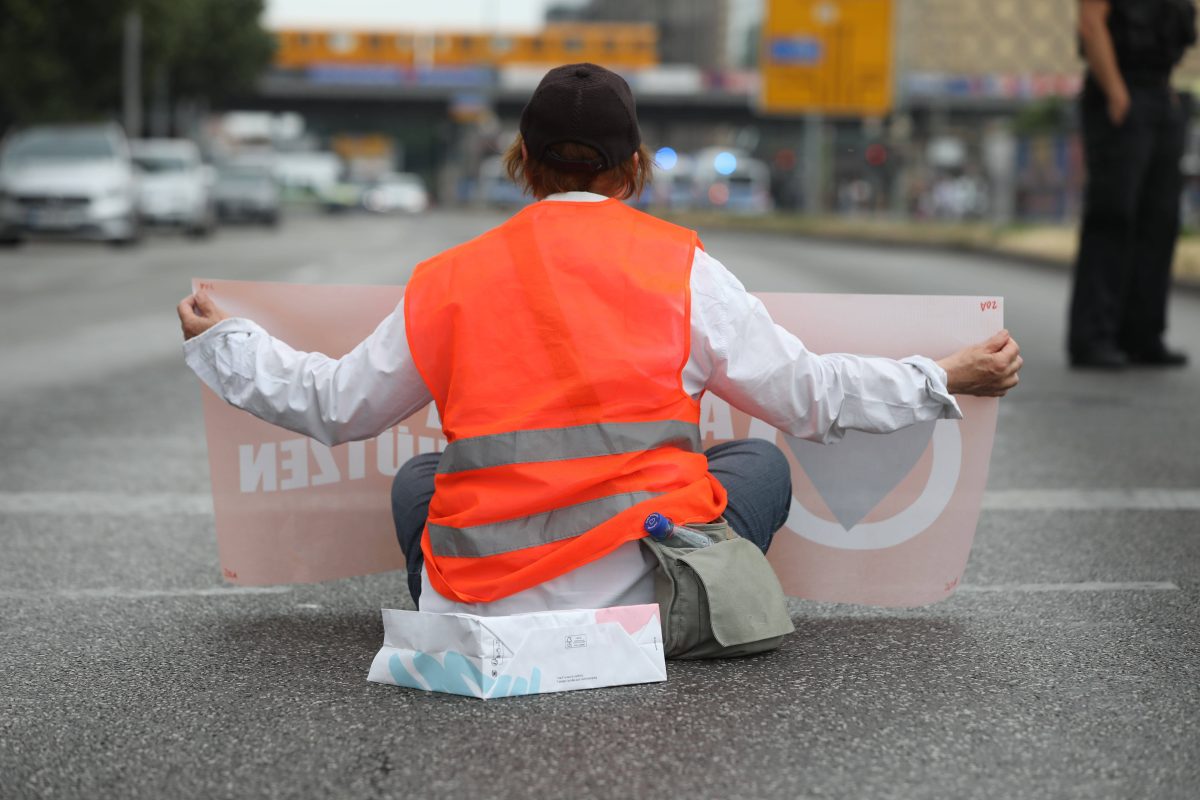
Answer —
333 400
737 352
742 356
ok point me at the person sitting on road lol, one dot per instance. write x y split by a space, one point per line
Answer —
567 351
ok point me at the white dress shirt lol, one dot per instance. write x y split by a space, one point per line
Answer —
737 352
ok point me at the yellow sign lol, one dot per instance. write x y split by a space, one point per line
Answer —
368 145
827 57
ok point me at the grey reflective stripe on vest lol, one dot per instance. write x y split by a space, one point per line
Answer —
516 534
561 444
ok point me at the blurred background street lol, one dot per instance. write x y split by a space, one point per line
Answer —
149 142
958 120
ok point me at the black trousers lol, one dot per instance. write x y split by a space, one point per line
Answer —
1130 219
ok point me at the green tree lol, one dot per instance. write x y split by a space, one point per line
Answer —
61 59
213 49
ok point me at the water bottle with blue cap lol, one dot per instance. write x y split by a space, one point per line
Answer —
662 529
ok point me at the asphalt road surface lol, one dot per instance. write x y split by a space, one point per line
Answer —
1068 665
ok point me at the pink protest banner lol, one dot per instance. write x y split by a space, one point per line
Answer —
889 519
875 519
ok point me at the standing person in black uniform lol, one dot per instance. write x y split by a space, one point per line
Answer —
1133 134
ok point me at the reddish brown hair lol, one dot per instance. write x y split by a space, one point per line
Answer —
540 178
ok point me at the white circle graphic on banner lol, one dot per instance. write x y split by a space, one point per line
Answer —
943 477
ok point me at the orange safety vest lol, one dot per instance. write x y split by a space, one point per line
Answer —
553 346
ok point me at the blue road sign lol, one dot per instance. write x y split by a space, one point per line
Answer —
796 50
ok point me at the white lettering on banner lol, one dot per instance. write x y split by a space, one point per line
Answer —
393 448
286 465
329 471
716 420
294 464
256 468
356 454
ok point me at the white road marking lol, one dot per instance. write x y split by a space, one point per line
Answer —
1092 500
142 594
174 503
156 503
1083 586
92 352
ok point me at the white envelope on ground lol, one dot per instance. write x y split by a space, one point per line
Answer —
546 651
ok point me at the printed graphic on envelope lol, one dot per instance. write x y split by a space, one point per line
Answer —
550 651
875 519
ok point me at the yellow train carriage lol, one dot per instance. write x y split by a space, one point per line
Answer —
629 45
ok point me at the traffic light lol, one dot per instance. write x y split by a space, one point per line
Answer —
876 154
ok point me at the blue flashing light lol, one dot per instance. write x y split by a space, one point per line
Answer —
725 163
666 157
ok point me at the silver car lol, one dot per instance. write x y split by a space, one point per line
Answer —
247 191
175 186
68 180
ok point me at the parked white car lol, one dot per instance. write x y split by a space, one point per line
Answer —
175 186
68 180
402 191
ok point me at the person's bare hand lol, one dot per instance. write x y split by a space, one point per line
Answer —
987 369
198 313
1118 106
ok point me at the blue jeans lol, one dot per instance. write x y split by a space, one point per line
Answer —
754 472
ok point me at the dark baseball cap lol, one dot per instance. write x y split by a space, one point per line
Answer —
585 104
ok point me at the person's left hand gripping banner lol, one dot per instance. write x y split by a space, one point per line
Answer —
879 520
288 508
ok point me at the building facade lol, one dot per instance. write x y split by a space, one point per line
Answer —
689 31
993 50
